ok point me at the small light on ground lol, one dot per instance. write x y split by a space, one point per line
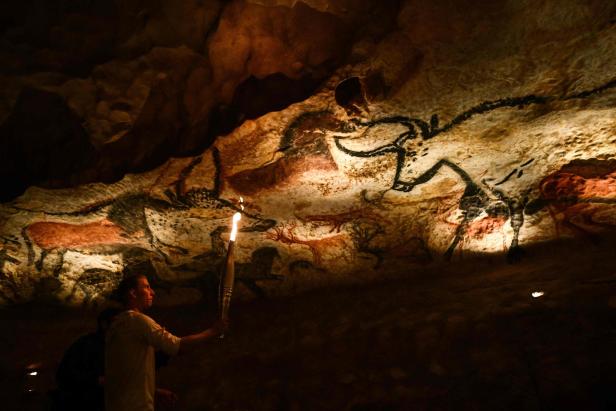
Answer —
33 373
537 294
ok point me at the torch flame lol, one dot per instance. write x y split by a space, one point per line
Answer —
236 218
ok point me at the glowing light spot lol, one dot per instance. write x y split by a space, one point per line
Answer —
537 294
33 373
236 218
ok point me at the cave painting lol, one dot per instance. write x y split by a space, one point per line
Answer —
302 147
7 281
125 224
580 197
477 199
251 274
120 226
336 246
475 203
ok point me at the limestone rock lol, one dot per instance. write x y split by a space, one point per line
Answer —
461 131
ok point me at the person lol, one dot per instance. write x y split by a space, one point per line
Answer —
130 345
80 375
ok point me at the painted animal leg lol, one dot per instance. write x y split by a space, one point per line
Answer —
460 231
26 237
39 263
58 268
515 252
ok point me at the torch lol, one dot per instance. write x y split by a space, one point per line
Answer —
228 275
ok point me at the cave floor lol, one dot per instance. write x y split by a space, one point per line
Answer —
431 339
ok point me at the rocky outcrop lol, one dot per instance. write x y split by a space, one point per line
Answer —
150 81
459 131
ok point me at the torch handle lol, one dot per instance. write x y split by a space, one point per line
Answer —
226 282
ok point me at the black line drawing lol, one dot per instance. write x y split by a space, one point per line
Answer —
126 214
475 199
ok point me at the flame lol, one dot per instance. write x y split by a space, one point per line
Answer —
236 219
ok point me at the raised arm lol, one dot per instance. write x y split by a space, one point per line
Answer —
194 341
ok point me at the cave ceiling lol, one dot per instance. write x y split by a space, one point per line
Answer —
365 139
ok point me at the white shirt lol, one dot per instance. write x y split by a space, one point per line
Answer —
130 379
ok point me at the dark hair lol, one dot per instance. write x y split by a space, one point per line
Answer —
128 283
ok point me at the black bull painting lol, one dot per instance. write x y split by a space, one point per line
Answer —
121 224
479 197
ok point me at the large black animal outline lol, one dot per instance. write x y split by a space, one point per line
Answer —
474 200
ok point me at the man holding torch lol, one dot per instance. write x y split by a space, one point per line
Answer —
133 338
130 344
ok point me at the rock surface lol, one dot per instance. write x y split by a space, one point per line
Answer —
420 135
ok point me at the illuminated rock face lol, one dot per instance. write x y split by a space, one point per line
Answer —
457 132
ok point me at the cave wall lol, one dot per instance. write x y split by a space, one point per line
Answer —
144 81
415 135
